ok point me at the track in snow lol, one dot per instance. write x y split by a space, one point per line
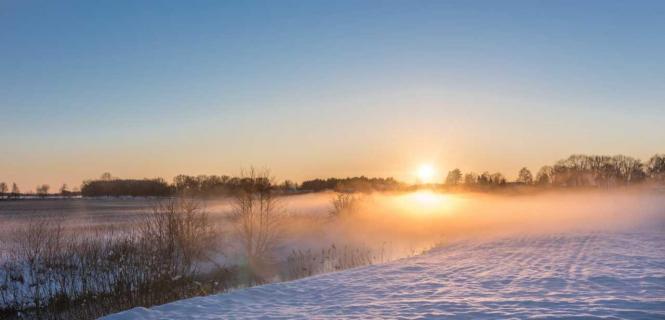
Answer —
615 275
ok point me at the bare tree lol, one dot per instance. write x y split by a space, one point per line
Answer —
106 176
454 177
484 178
597 170
3 189
656 167
64 190
258 214
544 176
289 186
180 234
15 190
524 176
628 170
470 179
497 179
42 190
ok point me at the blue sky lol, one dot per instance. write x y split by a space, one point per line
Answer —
313 88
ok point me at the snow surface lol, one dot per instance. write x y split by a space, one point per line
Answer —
587 275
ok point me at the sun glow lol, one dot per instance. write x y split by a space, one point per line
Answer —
427 202
426 173
427 198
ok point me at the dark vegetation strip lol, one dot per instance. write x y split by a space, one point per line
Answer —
574 171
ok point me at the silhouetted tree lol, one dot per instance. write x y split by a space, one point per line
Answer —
186 185
487 179
484 179
627 170
544 176
288 186
454 177
497 179
42 190
3 189
524 176
258 215
64 190
470 179
15 190
656 168
583 170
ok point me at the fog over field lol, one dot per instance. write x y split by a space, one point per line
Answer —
558 253
183 247
406 221
426 218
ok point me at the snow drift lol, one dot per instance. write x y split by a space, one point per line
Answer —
580 275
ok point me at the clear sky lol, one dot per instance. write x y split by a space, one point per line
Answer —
314 88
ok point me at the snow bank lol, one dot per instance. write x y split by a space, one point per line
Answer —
585 275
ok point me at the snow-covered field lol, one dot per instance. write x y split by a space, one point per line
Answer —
567 275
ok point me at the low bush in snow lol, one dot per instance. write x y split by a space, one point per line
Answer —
46 269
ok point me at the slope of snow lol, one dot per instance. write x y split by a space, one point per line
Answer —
609 275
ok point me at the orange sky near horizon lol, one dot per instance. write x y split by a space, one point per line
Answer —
324 89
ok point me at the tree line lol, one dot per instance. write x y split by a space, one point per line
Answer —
224 185
214 185
126 187
353 184
41 190
575 171
201 185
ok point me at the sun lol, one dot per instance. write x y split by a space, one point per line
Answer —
426 173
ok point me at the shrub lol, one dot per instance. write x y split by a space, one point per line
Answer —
86 277
344 203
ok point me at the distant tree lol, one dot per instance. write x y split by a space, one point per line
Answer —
627 170
497 179
581 170
544 176
454 177
656 168
524 176
288 186
470 179
3 189
42 190
106 176
484 178
64 191
213 185
15 190
186 185
596 170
